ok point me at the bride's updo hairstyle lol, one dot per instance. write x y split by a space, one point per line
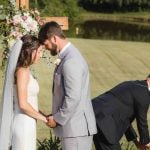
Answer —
30 43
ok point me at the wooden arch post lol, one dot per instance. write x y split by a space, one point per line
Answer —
22 4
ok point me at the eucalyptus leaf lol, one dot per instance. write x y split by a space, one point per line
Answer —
2 16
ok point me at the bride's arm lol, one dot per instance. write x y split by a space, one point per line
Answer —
22 76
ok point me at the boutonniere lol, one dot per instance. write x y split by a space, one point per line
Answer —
57 61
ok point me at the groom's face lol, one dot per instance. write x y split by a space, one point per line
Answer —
51 46
148 83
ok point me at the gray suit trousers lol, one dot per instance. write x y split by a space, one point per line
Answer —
77 143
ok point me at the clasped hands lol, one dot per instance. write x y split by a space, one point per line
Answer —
51 122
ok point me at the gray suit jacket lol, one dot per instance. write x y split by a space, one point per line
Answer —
72 108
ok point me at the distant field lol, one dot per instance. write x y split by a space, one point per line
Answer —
135 17
87 14
110 62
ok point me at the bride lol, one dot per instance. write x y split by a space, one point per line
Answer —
19 107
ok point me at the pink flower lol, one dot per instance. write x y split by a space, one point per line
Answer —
41 22
24 18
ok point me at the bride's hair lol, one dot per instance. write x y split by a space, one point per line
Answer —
30 43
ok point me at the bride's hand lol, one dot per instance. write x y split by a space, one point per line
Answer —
45 120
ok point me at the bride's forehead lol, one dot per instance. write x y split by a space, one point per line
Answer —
40 48
47 41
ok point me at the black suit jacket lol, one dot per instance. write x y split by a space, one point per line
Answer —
117 108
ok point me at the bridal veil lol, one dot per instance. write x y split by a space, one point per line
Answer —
6 107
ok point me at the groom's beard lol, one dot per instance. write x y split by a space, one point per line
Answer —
53 50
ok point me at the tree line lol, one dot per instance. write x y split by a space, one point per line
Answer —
68 8
72 8
115 5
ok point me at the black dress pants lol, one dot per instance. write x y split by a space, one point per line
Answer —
101 142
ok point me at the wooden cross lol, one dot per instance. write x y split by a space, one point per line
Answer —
22 4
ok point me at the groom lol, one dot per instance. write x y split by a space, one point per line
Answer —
72 113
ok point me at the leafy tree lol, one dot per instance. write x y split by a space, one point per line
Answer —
57 8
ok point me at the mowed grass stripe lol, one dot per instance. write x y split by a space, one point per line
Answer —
111 62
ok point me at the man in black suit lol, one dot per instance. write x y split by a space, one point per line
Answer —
115 111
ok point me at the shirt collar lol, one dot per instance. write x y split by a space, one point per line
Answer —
64 49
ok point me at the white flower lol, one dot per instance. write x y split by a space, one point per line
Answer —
25 26
16 19
26 14
1 6
33 26
57 61
37 12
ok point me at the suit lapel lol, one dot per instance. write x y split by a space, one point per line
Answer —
63 58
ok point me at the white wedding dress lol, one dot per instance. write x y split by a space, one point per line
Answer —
24 127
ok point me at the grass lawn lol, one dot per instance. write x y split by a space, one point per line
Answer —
110 62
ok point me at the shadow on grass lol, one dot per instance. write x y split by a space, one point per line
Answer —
128 146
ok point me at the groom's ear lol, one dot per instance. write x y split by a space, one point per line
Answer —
55 38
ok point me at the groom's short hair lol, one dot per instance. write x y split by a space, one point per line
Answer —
50 29
148 76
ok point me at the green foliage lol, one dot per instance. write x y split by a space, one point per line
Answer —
53 143
57 8
5 10
4 2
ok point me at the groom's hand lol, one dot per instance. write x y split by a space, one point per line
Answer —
51 122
